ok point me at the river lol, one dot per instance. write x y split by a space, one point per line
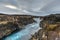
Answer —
26 33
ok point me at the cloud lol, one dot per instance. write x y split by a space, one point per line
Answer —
31 7
52 6
11 6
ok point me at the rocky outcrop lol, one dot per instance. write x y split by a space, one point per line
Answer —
50 28
11 23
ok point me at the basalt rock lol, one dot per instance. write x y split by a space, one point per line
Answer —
50 28
11 23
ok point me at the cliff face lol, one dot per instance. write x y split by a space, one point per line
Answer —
11 23
50 28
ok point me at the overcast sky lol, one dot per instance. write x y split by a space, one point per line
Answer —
32 7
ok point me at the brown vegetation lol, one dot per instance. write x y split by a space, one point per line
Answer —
50 28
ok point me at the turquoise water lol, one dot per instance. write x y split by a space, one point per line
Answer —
26 33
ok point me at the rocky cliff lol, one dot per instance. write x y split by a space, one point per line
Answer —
11 23
50 25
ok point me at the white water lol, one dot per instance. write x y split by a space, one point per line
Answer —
26 33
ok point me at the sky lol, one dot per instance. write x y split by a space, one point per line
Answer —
30 7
